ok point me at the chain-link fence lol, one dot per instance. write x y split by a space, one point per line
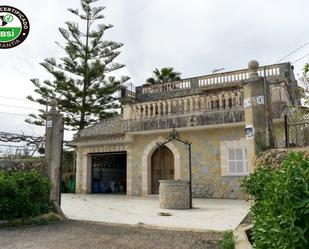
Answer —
297 127
19 139
288 120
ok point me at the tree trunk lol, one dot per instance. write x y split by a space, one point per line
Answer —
85 85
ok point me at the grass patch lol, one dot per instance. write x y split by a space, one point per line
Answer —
45 219
228 241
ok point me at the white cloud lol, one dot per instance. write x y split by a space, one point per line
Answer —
192 36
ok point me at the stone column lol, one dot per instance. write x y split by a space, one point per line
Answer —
203 103
175 106
153 109
255 112
169 107
180 107
159 108
208 102
197 103
191 104
227 97
164 107
185 105
233 99
239 99
220 101
85 167
149 110
144 111
53 150
214 101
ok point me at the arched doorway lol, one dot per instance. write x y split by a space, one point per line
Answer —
162 167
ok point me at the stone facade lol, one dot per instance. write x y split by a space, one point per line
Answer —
206 169
207 111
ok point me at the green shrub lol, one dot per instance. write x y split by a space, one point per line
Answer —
23 194
255 184
228 241
281 207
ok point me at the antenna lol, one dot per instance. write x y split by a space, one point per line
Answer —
215 70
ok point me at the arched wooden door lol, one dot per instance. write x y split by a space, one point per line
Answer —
162 167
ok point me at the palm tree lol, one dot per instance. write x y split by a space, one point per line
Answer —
306 68
166 74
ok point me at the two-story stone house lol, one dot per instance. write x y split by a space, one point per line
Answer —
121 154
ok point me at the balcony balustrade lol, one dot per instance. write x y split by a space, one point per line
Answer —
185 105
214 79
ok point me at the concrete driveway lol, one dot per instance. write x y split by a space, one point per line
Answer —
207 214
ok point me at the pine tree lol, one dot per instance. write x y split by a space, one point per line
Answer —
82 85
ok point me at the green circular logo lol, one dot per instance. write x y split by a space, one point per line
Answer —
14 27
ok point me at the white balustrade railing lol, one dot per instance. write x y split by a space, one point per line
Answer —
197 103
169 86
231 77
214 79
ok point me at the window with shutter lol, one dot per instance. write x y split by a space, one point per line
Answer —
237 161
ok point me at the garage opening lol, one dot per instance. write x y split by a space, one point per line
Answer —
109 173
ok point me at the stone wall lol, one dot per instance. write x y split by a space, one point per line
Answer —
274 158
23 164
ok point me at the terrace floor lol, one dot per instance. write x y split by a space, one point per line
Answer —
206 215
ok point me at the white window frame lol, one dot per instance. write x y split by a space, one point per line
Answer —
244 161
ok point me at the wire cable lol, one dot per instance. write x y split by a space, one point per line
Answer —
21 107
12 113
14 98
301 58
293 52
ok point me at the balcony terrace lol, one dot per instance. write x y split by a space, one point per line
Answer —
206 100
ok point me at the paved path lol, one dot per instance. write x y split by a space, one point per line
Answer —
208 214
85 235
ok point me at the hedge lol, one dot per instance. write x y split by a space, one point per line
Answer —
281 204
23 194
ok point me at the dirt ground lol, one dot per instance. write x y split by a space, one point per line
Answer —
78 235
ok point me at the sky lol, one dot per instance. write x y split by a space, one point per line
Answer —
193 36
